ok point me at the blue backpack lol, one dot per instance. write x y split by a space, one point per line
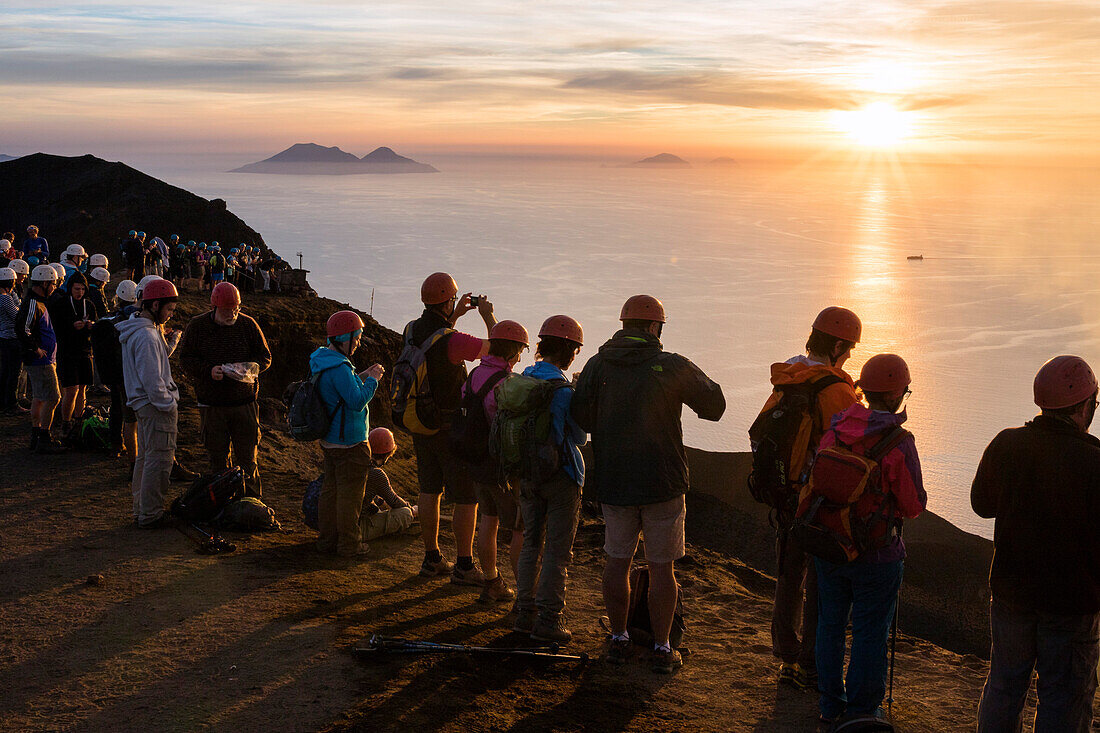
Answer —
311 502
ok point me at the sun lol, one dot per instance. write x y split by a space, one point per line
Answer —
878 124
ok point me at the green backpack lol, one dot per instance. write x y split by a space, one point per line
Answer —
520 437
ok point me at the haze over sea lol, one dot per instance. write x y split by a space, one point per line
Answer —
743 259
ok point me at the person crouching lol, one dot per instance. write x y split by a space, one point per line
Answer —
385 512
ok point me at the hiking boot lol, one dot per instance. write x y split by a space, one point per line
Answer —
666 662
496 590
552 630
792 674
179 473
473 577
162 522
526 618
429 569
48 446
362 551
619 651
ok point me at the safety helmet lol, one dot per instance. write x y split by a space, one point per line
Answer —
1063 382
173 238
159 289
509 331
342 325
642 308
5 245
126 291
840 323
102 274
33 261
181 245
202 245
235 250
884 373
216 247
43 274
141 235
75 250
32 229
214 243
225 295
132 233
381 442
97 260
190 242
144 282
562 327
21 267
439 287
6 273
59 269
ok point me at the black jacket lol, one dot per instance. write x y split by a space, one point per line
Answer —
630 397
1042 484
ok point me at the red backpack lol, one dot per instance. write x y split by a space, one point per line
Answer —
844 510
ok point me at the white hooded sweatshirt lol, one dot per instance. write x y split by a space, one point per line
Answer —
145 365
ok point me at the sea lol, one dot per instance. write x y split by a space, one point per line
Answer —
743 257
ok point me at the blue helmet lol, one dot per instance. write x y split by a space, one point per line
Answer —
141 235
214 243
216 247
174 237
234 251
181 245
190 242
132 234
202 245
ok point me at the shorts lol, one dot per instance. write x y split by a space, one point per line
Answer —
439 471
499 501
217 277
661 525
43 382
73 371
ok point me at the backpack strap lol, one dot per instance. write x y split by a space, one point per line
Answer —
314 379
489 383
886 444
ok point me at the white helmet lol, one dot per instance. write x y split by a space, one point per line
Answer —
21 267
43 274
97 260
6 273
102 274
145 281
75 250
58 268
5 245
126 291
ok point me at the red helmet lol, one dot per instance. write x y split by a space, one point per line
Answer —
343 322
225 295
509 331
439 287
562 327
381 442
642 308
839 322
159 290
884 373
1063 382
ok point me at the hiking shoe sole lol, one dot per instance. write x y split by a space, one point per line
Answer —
436 570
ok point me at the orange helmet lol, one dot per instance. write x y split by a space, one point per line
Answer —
343 323
439 287
159 290
1063 382
509 331
562 327
884 373
642 308
839 322
225 295
381 442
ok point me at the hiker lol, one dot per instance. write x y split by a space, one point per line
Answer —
1039 483
107 352
551 508
6 253
39 343
72 260
495 498
11 363
816 379
98 279
438 470
153 395
215 265
386 512
22 271
629 398
72 315
36 246
865 590
346 396
133 251
215 346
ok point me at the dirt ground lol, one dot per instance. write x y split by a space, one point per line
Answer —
261 639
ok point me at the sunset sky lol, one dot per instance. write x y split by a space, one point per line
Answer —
1012 78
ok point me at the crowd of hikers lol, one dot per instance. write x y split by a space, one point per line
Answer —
831 460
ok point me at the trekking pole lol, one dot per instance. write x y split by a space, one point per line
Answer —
213 544
377 644
893 652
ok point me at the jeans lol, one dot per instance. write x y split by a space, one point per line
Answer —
868 593
795 612
10 365
551 511
1063 649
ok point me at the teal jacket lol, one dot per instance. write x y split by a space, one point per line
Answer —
345 395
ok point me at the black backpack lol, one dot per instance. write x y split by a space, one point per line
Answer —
781 450
91 431
209 494
470 430
637 620
308 416
107 349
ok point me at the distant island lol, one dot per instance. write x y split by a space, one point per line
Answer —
724 162
4 158
313 159
662 160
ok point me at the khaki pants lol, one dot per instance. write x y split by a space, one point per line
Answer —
234 430
153 467
380 524
341 499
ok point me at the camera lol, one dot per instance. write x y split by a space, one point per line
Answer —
475 300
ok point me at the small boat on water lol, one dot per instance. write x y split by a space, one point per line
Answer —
915 257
